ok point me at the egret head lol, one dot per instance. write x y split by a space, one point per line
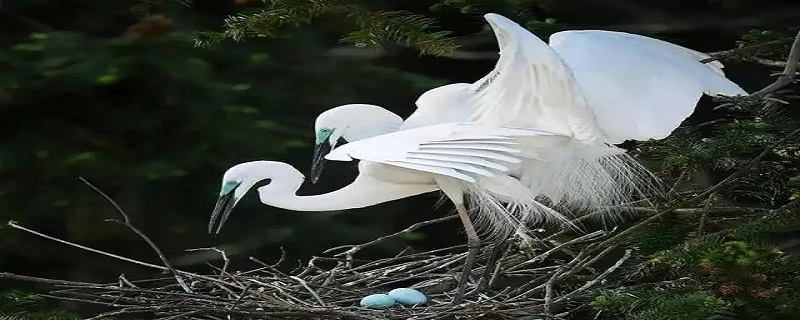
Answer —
350 122
235 183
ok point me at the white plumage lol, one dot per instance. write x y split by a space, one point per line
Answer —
597 87
535 134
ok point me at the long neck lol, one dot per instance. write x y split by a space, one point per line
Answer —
364 191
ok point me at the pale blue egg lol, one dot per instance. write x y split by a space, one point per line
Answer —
408 296
377 301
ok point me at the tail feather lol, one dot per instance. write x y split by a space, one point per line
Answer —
499 216
571 181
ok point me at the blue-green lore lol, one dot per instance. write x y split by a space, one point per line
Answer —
228 186
323 134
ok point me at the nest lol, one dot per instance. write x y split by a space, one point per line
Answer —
529 279
542 278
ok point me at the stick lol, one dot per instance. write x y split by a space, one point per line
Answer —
313 293
241 296
127 222
8 275
14 225
788 74
556 248
715 56
221 252
597 279
355 248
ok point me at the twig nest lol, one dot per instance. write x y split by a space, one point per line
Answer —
408 296
377 301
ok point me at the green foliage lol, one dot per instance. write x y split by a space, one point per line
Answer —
674 305
381 27
146 116
374 27
707 263
145 7
504 7
771 225
19 305
518 10
264 23
767 44
143 115
729 280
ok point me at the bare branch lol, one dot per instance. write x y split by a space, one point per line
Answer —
789 72
221 252
597 279
14 225
127 223
355 248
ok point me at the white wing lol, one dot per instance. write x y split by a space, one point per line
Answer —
530 86
638 88
463 151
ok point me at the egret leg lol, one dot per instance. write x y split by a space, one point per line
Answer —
454 191
491 264
474 244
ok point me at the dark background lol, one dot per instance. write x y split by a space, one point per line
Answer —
88 89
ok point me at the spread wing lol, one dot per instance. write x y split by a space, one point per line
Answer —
530 86
638 88
464 151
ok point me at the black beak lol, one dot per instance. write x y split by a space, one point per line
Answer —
222 210
318 161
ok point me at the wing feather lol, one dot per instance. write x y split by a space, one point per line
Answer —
530 87
457 150
473 146
460 158
474 153
638 88
445 171
460 166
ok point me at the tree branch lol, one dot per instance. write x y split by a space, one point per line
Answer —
14 225
127 223
355 248
789 72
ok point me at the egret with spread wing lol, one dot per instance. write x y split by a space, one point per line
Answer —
599 87
539 126
461 159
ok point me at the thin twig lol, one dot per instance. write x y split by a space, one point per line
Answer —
788 74
597 279
124 281
708 203
313 293
548 295
127 223
556 248
241 296
355 248
14 225
11 276
221 252
715 56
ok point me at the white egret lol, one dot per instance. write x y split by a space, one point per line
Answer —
600 87
540 125
458 158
